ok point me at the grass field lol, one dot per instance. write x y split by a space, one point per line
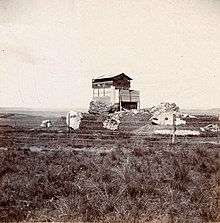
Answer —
104 176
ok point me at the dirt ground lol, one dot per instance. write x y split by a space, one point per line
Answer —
24 131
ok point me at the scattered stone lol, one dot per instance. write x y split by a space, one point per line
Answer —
46 124
210 128
73 119
113 120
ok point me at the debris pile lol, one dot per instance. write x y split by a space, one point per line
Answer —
46 124
113 120
165 113
73 119
210 128
115 108
99 107
167 119
164 107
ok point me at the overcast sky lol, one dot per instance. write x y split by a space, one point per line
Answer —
51 49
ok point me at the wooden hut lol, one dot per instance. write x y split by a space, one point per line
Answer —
116 89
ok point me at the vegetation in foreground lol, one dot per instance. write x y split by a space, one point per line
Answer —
171 184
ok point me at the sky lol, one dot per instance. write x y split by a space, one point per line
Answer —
51 49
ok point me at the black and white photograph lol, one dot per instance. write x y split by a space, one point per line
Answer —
110 111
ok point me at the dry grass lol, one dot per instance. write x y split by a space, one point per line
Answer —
171 184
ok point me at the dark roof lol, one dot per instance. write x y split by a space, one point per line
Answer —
109 77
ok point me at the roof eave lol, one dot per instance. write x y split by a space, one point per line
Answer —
108 78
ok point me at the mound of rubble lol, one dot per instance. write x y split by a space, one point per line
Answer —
166 114
163 114
113 120
126 119
102 107
164 107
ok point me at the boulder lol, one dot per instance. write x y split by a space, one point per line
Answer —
46 123
113 120
73 119
100 107
210 128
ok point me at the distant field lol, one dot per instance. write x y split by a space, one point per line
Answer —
17 129
63 111
214 112
56 112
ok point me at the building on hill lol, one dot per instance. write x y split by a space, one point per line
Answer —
116 89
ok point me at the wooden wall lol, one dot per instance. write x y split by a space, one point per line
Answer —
130 96
121 82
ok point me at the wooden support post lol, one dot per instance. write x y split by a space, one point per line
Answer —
120 107
68 122
139 102
218 123
174 129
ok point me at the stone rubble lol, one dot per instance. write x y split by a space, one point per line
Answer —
46 123
164 113
210 128
73 119
99 107
113 120
164 107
